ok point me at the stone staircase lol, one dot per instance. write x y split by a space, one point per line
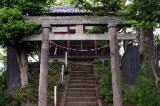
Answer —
82 88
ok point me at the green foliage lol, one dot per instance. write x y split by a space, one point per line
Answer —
30 93
3 84
105 84
3 97
146 92
158 41
15 99
31 7
105 87
7 100
54 78
64 2
20 96
143 13
56 65
101 7
13 27
98 29
129 94
24 94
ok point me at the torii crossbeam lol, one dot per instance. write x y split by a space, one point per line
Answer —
79 21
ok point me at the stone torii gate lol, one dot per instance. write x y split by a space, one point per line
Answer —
79 21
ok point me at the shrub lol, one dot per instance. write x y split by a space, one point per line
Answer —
24 94
146 92
105 83
105 87
3 84
98 62
129 94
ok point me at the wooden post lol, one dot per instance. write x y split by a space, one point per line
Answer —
55 95
66 59
115 66
43 79
62 74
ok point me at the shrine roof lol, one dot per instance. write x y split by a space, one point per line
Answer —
68 9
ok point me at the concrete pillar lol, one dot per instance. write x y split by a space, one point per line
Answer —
115 66
43 79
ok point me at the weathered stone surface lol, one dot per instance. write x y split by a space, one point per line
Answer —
43 79
105 36
115 67
13 70
131 64
74 20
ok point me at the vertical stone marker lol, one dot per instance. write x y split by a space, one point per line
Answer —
115 66
43 79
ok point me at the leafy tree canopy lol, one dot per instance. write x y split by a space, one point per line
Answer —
143 13
31 7
13 27
102 7
12 24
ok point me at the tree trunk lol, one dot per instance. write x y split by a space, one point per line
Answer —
115 67
43 79
147 51
23 65
147 48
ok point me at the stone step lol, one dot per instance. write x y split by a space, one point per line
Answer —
92 103
81 94
81 75
82 72
78 99
81 85
82 90
82 78
82 81
82 64
82 68
79 69
90 68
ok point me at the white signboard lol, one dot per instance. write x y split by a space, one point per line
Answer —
59 29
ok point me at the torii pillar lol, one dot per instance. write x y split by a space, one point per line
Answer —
43 78
115 65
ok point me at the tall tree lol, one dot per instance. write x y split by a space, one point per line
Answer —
144 15
12 29
30 7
